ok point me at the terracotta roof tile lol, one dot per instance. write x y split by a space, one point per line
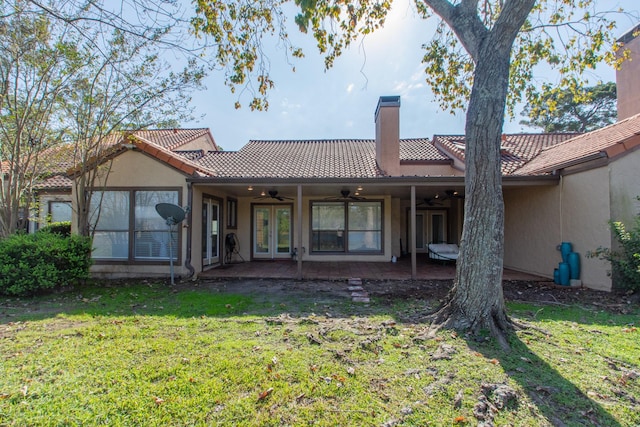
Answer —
419 149
339 158
297 159
171 139
58 182
516 149
609 141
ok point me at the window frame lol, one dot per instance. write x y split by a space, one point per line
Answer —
346 231
131 230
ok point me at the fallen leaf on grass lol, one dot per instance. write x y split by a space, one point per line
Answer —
4 395
158 400
494 361
265 394
351 370
459 419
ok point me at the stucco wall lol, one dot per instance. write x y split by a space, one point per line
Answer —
585 214
537 220
532 230
625 188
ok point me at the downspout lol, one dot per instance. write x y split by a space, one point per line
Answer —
187 261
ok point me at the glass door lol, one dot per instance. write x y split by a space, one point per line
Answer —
271 231
210 232
431 227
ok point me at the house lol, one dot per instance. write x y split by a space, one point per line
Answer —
356 200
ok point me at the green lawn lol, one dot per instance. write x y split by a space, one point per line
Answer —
147 355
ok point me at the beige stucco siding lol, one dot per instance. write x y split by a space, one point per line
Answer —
585 216
537 220
625 188
531 236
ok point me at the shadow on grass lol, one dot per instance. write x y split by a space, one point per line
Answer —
556 397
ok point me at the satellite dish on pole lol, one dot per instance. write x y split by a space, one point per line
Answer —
172 214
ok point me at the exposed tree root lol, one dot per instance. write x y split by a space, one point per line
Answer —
450 317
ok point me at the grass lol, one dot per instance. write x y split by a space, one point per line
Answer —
144 354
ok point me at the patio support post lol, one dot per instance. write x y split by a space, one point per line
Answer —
299 233
412 234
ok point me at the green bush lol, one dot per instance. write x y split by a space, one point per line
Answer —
62 228
625 262
31 263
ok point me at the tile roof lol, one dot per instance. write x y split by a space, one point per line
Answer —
54 182
171 139
609 141
190 154
516 149
338 158
419 149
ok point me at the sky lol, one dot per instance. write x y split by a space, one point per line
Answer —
312 103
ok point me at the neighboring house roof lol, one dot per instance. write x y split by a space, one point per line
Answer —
54 182
516 149
609 141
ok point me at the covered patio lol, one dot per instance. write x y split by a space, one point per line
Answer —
340 270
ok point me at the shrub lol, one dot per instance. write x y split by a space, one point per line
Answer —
62 228
30 263
625 262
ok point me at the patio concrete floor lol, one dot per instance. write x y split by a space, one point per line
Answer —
316 270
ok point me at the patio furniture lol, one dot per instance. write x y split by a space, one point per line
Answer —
443 251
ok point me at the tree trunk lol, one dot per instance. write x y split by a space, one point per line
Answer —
476 301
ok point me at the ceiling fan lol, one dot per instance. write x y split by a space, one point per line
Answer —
273 194
346 195
432 201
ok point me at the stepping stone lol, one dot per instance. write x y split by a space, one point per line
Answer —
360 299
355 288
354 281
360 294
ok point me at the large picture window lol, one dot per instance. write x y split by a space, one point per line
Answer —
351 227
127 227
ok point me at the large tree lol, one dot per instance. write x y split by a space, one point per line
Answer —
569 111
482 58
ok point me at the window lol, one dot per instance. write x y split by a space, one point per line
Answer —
59 211
351 227
127 226
232 213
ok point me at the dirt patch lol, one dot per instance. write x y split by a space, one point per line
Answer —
434 290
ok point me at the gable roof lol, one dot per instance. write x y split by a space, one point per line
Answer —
516 149
158 143
609 141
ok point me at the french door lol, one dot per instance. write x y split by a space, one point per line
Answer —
210 231
271 231
431 227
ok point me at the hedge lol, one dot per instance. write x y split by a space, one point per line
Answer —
31 263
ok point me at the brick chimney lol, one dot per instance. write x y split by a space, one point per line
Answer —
387 119
628 76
